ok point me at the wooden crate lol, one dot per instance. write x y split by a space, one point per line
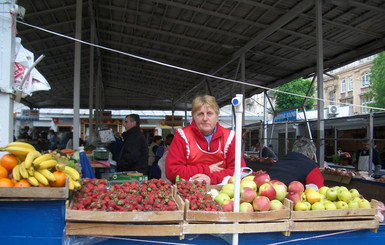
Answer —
336 178
157 223
34 193
338 219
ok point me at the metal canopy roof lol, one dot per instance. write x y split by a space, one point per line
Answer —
278 38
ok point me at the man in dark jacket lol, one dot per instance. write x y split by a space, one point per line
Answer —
134 153
298 165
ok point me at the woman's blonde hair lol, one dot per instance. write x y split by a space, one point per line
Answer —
201 100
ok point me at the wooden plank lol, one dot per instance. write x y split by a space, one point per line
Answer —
235 228
334 225
107 229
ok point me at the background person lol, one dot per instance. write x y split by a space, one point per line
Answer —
134 153
152 149
298 165
362 157
203 150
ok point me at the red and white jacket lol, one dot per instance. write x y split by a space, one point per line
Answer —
191 154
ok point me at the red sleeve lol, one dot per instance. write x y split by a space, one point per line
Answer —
217 177
176 163
315 177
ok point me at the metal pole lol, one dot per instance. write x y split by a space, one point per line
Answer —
77 67
371 143
91 80
286 136
320 85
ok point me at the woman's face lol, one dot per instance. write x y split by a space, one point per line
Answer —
206 119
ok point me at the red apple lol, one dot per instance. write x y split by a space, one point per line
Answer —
246 208
267 190
261 203
262 178
280 189
296 186
247 194
228 206
231 180
294 197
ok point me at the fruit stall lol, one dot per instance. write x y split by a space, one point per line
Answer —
44 200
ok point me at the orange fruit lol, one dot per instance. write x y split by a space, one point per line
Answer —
60 179
23 183
6 182
9 161
13 181
41 185
3 172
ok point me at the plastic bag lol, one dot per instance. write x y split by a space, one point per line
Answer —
245 171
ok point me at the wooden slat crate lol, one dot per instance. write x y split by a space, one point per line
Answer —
338 219
157 223
336 178
34 193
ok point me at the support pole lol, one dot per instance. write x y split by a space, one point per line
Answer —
7 58
77 67
91 80
320 86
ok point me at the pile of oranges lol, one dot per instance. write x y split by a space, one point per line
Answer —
9 161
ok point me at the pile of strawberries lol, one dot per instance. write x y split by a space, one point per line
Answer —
152 195
196 193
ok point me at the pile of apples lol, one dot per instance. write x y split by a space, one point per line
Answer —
328 198
257 193
339 172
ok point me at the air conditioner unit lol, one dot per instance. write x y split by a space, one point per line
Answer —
333 110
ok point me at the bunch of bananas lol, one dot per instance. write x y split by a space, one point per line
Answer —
37 168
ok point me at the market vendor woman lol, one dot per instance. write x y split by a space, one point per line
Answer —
203 150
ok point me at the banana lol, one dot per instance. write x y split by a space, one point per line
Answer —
20 152
71 184
33 181
32 155
23 171
41 159
46 173
60 167
47 164
77 185
71 172
30 170
20 144
41 178
16 173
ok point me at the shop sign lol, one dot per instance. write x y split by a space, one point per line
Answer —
104 114
289 115
28 115
174 122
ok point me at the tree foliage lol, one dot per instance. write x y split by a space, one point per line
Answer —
298 86
377 81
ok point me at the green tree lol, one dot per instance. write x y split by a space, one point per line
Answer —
377 81
298 86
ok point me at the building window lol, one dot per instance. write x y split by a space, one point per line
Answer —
365 79
331 97
343 85
365 102
350 83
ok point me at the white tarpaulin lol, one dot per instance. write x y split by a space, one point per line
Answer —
24 60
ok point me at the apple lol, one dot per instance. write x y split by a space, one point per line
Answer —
261 203
302 206
261 178
294 197
342 188
342 205
250 177
231 180
221 198
329 205
313 197
353 204
267 190
228 189
247 194
276 205
296 186
344 195
248 183
363 203
354 192
331 194
323 190
246 207
228 205
317 206
280 189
